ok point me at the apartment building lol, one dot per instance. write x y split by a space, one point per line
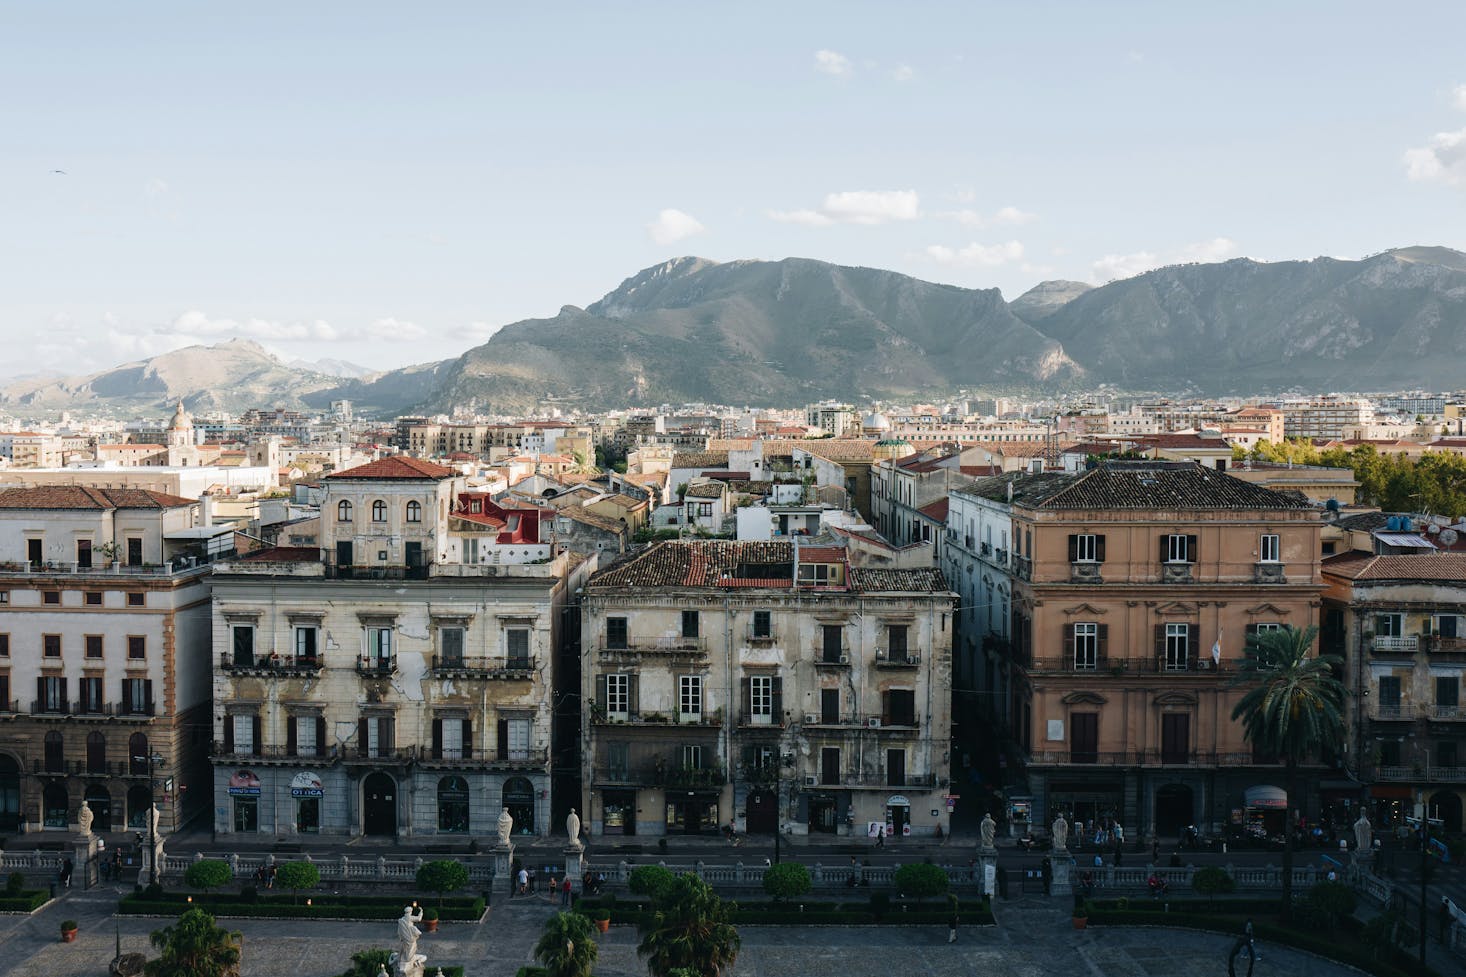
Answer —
1399 623
1133 587
104 659
771 685
398 681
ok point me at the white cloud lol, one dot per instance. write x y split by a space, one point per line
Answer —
903 72
673 225
1460 97
976 255
392 330
1004 215
856 207
1443 160
479 332
832 63
155 187
1116 266
197 326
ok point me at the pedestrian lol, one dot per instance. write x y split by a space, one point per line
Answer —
881 836
952 924
554 888
565 893
523 880
270 883
116 865
1444 915
66 869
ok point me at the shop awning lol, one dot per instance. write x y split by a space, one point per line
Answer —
1265 796
1392 792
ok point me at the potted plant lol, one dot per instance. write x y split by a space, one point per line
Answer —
68 931
430 920
1081 915
602 919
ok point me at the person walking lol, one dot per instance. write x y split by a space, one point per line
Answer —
67 867
116 865
881 836
952 924
523 880
565 893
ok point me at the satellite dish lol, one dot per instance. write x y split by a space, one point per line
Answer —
1432 528
1448 537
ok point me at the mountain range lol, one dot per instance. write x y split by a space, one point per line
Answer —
789 332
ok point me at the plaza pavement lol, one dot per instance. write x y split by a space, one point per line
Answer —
1034 938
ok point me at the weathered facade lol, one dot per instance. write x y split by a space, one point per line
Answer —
768 686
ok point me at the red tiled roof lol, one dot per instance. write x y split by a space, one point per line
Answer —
1445 567
87 497
936 511
401 467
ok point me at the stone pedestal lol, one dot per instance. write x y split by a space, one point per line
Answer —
83 853
1062 883
987 872
575 865
149 859
503 856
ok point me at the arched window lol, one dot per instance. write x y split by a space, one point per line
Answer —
99 799
55 805
379 511
55 758
453 804
96 753
414 511
137 754
343 511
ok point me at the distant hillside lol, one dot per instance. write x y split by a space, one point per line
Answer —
1046 298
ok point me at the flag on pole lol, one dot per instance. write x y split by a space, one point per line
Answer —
1216 650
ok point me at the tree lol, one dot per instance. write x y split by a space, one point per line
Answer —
787 880
1212 882
567 946
298 875
442 876
1293 709
208 873
689 929
650 881
921 880
194 947
368 963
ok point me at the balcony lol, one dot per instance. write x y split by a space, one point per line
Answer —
752 722
10 708
1087 573
660 774
502 760
1421 774
649 719
1022 568
336 572
98 710
1444 714
1176 573
1269 573
382 757
1109 667
111 571
874 781
272 755
888 659
270 665
1000 556
376 667
1143 758
1382 644
753 637
1446 649
827 658
456 666
983 549
674 649
1391 712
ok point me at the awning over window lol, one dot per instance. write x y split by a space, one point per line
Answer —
1266 796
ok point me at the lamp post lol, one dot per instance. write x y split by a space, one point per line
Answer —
154 761
1424 868
784 760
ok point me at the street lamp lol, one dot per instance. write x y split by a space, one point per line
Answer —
154 761
785 759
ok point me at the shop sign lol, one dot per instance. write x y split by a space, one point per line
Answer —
306 784
244 784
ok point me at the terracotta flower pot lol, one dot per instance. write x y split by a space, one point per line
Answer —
68 936
430 925
603 925
1080 922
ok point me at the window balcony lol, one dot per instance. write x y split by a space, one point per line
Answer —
1087 572
1269 573
270 665
1177 573
273 755
1383 644
887 659
457 666
376 667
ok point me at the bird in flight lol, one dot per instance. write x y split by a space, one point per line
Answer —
62 172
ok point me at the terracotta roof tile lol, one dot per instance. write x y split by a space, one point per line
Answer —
700 459
1134 485
936 511
395 467
1445 567
87 497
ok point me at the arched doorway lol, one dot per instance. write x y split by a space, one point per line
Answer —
139 799
453 804
763 812
9 794
519 799
1173 809
55 805
1447 807
379 804
99 799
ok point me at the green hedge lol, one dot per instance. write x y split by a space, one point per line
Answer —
461 909
1228 907
28 901
1327 946
789 914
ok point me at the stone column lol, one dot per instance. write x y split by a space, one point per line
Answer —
83 850
503 856
1062 864
987 872
574 865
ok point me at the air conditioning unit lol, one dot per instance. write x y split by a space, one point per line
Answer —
872 723
810 781
844 659
913 659
810 718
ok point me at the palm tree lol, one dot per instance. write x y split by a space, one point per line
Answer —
689 929
194 947
1293 709
567 947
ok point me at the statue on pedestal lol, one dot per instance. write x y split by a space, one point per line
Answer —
989 830
1060 832
407 961
1363 833
506 826
84 819
572 828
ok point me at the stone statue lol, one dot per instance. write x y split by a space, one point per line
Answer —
408 960
84 818
1363 833
506 826
989 830
1060 832
572 828
154 816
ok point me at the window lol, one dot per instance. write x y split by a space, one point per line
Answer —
375 736
1268 548
618 696
834 643
1086 647
306 636
94 646
1389 625
516 741
452 740
4 646
829 706
51 645
1389 693
900 708
814 573
763 624
618 761
242 643
51 597
616 632
137 599
691 757
689 696
1447 695
379 646
96 753
51 693
93 598
1175 737
137 648
895 768
1448 626
689 624
896 642
1084 737
244 732
414 511
761 700
343 511
379 511
830 765
1178 548
518 647
84 553
453 804
137 696
91 695
1086 548
55 758
246 814
1177 646
305 735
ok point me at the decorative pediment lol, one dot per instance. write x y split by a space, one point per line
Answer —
1085 698
1272 610
1176 699
1088 610
1178 607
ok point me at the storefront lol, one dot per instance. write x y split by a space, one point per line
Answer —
1085 801
306 793
1390 804
692 812
244 800
898 816
1265 811
618 812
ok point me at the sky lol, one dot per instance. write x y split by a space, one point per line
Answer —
387 183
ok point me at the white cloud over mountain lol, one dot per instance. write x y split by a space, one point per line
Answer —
976 255
673 225
1116 266
856 207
